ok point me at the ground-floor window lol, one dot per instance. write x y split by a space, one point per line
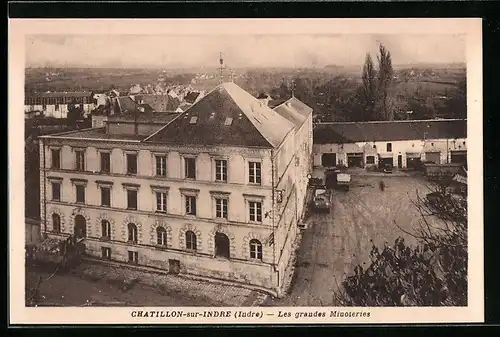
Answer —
370 160
106 253
133 257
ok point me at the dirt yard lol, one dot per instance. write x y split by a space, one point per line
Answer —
335 242
103 286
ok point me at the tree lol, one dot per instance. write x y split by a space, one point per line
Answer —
384 85
432 273
369 88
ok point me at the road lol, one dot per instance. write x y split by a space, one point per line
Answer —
336 242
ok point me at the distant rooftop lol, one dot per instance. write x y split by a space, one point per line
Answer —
95 134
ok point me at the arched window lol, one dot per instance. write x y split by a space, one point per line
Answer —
190 240
80 226
56 223
106 229
221 245
132 233
255 249
161 236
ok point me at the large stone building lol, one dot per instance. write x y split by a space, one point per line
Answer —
400 144
215 192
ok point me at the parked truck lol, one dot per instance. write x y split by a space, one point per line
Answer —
337 179
322 199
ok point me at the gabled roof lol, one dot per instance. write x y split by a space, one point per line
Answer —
275 102
326 133
228 115
294 110
191 97
161 103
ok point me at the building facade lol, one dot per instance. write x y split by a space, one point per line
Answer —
56 104
401 144
211 193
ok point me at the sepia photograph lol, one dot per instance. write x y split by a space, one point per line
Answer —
178 170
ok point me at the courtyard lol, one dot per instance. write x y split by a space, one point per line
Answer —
334 243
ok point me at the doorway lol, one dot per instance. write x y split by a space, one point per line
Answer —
400 161
80 227
329 159
174 266
355 160
221 245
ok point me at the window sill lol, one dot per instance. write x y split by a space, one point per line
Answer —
56 199
191 251
255 260
131 209
188 178
222 258
104 238
254 184
161 212
190 215
80 202
132 242
255 222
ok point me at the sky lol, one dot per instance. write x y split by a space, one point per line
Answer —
179 51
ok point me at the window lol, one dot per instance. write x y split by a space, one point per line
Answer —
105 162
389 147
221 170
56 223
133 257
190 168
132 233
190 205
131 163
221 208
105 196
56 159
161 201
80 160
190 240
106 229
57 107
370 159
80 193
193 120
56 191
255 211
228 121
131 199
222 245
255 249
161 166
161 236
106 253
254 172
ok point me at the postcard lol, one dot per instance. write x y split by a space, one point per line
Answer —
265 171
